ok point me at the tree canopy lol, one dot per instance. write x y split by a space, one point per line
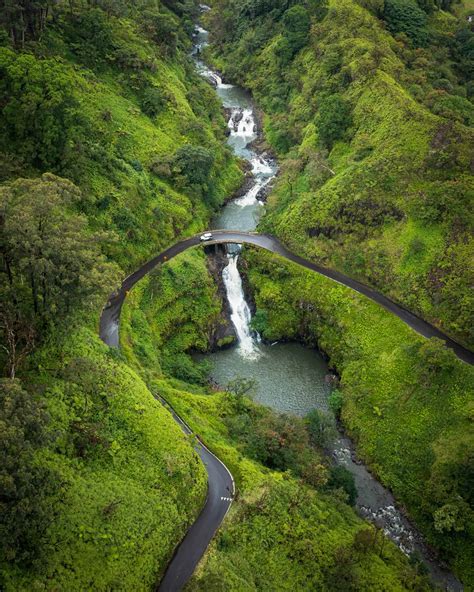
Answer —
51 264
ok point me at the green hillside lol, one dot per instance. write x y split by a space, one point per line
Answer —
374 132
111 149
102 119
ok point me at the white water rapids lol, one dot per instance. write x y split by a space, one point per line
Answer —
242 126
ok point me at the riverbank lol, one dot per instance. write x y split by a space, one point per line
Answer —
374 501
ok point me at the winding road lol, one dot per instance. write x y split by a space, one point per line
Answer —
220 493
221 488
109 320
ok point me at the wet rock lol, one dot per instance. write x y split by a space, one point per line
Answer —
223 333
237 118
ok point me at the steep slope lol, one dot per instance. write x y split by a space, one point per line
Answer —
376 176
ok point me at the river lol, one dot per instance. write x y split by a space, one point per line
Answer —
289 377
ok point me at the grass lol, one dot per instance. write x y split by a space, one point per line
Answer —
401 416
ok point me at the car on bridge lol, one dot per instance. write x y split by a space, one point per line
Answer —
206 236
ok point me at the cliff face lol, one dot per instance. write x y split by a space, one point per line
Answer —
223 333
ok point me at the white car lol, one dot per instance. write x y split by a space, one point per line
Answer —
206 236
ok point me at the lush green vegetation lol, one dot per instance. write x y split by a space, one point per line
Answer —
97 100
110 148
374 135
371 118
173 312
283 533
102 118
406 401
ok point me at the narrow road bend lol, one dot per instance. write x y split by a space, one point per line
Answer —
220 493
110 317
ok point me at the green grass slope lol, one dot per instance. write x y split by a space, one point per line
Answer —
127 481
407 401
174 311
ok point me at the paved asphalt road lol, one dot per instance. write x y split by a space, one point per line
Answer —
109 321
220 482
220 493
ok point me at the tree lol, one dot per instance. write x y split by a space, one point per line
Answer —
153 101
162 29
341 478
296 27
321 428
51 263
25 488
25 20
37 109
405 16
435 361
194 163
239 388
91 37
19 338
333 119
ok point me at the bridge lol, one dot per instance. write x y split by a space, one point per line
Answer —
110 317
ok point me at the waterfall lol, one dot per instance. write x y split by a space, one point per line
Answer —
240 311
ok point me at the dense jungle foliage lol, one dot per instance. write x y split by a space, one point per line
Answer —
369 108
102 120
111 147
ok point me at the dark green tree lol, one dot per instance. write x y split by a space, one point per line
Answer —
321 428
296 26
194 163
333 119
405 16
341 478
26 488
50 263
153 101
24 20
37 109
90 36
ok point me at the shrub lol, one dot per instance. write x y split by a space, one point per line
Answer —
336 399
25 506
341 478
321 428
194 163
333 119
153 101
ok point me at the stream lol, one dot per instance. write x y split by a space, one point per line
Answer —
290 378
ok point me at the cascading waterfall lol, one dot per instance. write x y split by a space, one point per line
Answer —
243 131
242 127
240 310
